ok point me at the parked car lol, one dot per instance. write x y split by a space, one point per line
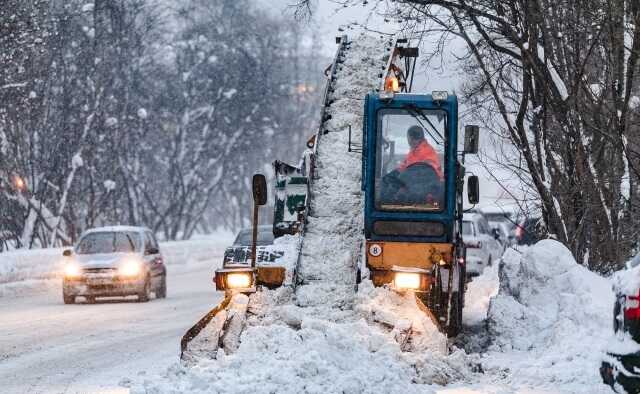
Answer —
239 253
114 261
530 230
483 247
621 364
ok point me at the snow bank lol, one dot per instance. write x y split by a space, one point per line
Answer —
478 295
285 349
29 267
550 320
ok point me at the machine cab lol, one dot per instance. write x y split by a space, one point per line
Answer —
412 184
409 167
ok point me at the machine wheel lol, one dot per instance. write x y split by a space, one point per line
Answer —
456 316
68 299
90 299
161 291
145 294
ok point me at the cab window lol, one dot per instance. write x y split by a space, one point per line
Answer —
410 152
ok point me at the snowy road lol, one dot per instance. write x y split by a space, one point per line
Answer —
49 347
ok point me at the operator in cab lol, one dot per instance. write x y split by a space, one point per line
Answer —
419 178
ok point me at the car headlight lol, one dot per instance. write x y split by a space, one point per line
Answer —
72 270
130 268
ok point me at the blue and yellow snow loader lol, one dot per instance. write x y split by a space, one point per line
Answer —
413 178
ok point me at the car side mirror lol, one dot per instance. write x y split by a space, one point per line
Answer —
259 189
473 190
152 251
67 252
471 139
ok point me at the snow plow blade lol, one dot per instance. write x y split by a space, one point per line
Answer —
202 323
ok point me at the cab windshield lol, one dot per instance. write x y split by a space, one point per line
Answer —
109 242
410 166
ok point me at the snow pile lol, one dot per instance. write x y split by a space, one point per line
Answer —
286 349
478 295
550 320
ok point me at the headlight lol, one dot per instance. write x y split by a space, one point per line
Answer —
239 280
406 280
72 270
130 268
234 279
411 279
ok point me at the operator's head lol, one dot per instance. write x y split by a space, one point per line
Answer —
415 134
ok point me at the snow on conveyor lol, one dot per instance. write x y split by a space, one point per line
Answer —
334 228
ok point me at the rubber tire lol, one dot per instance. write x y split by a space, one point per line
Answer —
68 299
489 262
456 316
90 299
145 295
161 291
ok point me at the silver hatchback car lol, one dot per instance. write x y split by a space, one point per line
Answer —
114 261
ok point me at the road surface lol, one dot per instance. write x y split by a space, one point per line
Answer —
49 347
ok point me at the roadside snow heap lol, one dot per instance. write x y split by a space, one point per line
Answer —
550 320
284 349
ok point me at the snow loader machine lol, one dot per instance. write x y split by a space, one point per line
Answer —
411 180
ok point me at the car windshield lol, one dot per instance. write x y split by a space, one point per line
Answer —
467 228
109 242
410 166
264 237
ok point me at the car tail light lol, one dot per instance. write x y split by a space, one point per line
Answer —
632 307
474 245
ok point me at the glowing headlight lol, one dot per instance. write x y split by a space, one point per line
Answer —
72 270
239 280
234 279
130 268
407 280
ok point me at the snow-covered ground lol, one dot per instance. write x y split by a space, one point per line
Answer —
541 321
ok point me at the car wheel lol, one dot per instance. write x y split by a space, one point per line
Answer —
161 291
145 294
68 299
90 299
489 262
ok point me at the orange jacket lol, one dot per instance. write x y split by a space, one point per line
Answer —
423 153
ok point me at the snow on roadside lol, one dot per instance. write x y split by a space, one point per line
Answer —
25 270
549 321
478 295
